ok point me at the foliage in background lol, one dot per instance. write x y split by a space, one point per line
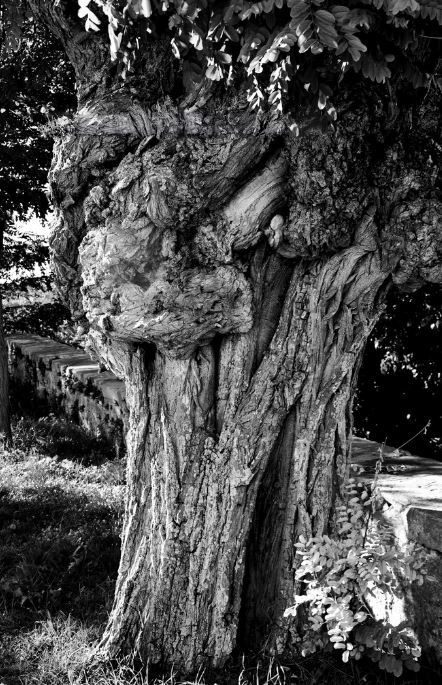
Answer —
37 84
399 388
344 574
28 255
51 319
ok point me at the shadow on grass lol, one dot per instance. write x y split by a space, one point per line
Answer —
58 437
58 552
59 548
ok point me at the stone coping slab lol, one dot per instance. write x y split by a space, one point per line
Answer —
411 485
68 377
405 479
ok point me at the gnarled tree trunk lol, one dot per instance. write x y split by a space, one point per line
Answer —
233 454
231 276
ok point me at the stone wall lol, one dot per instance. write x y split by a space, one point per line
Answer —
49 376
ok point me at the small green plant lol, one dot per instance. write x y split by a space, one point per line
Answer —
344 576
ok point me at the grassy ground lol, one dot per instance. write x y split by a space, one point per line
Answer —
61 500
59 550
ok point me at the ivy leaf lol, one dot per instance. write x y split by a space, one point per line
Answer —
142 7
92 21
354 47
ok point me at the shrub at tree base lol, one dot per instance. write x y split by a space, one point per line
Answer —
345 575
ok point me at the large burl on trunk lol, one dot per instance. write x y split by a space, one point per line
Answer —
230 274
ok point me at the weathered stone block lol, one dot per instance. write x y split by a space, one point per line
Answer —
51 376
425 527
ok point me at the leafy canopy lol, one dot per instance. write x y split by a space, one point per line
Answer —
35 82
310 44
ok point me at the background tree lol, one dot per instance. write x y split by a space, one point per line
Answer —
231 271
37 84
399 386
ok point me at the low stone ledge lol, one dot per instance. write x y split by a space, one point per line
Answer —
50 376
411 487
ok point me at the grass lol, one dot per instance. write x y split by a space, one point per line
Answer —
60 523
61 503
54 650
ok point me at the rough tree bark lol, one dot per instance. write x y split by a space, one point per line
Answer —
231 275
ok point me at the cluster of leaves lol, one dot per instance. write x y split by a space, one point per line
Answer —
13 16
51 319
28 255
342 574
309 43
37 84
